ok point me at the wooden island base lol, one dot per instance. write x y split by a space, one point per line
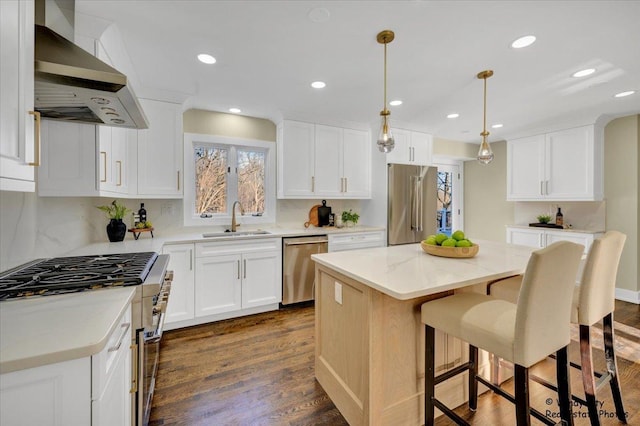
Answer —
370 353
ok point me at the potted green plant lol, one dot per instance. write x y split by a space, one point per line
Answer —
116 229
543 218
350 218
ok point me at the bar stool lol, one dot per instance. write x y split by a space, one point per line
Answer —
593 300
523 333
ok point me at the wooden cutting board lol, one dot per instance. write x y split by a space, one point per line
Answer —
313 216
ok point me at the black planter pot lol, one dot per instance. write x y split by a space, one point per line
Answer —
116 230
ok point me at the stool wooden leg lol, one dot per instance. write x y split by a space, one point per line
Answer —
521 378
612 366
473 382
588 380
429 375
564 386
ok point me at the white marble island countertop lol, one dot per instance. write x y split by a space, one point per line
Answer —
46 330
405 272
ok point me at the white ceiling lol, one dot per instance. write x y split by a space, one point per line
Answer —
268 53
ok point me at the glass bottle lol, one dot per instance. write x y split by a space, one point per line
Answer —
559 218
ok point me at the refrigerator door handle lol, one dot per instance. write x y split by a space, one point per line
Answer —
412 202
419 185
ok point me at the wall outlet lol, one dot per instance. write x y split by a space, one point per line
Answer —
338 292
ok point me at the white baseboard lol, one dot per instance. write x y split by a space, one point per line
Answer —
628 295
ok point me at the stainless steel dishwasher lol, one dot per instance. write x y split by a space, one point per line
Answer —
298 270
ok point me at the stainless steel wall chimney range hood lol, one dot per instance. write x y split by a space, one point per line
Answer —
73 85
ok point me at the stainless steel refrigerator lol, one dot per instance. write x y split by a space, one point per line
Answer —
412 203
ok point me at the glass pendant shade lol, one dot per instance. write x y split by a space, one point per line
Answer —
485 154
386 142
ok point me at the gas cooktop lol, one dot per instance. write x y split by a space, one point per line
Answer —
60 275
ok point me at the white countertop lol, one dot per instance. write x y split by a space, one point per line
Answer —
146 243
45 330
405 272
542 228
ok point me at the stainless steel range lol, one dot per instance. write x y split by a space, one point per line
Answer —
147 271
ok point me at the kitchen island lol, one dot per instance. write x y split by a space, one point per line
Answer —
369 339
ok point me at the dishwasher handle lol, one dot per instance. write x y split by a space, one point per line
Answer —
300 243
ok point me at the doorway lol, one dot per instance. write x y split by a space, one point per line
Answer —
449 204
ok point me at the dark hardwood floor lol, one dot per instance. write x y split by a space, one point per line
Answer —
258 370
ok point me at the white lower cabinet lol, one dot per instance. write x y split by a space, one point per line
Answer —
540 238
181 300
355 240
86 391
232 276
223 279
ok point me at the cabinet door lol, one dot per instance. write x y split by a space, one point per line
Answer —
356 164
296 159
570 165
261 283
160 150
16 86
526 237
218 284
525 168
181 300
114 406
401 153
328 161
54 394
421 148
69 160
575 237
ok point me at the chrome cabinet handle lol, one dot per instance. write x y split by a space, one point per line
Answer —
36 139
313 184
541 190
125 328
346 183
546 187
238 269
245 268
191 259
178 180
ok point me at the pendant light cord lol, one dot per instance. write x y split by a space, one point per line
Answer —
385 77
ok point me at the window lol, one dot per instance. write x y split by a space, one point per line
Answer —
220 171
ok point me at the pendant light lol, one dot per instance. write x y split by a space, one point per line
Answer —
385 138
485 154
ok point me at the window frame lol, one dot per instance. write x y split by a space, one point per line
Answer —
191 140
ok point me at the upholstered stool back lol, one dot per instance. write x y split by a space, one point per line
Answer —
597 289
544 302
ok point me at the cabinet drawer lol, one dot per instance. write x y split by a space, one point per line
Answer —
216 248
355 241
103 363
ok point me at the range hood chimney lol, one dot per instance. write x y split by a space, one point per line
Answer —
70 83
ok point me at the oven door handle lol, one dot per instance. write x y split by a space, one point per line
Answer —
157 335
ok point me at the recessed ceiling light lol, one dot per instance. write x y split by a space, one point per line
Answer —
235 110
523 42
395 102
623 94
454 115
206 59
497 126
318 84
584 73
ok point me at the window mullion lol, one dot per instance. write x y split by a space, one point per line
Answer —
232 194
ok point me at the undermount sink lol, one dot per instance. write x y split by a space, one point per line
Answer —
228 234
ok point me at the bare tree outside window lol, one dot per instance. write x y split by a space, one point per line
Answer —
211 180
445 186
251 167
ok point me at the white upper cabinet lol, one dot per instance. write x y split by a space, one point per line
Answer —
563 165
323 161
296 153
411 148
160 150
17 135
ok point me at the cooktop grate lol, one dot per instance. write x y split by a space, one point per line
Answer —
62 275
